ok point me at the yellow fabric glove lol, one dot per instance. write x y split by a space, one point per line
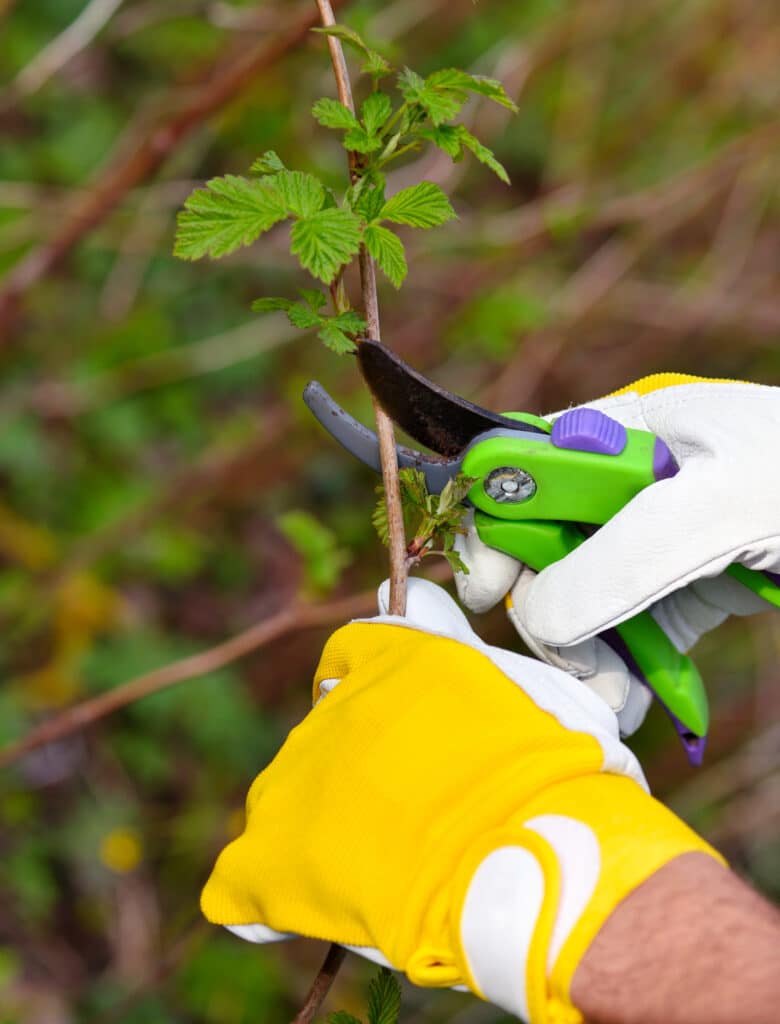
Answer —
460 812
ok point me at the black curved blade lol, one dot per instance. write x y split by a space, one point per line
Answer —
430 414
363 444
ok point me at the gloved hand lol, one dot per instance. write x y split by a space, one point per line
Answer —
666 550
450 809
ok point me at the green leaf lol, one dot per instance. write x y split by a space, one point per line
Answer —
387 249
422 206
359 140
303 193
454 491
375 111
303 317
332 114
267 305
335 339
367 200
459 81
314 297
414 488
342 1017
350 321
482 153
346 35
439 105
325 241
268 163
379 518
375 64
229 213
384 998
445 136
455 561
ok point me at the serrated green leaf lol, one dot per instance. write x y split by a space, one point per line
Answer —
458 81
268 305
387 249
456 563
359 140
332 114
342 1017
375 65
325 241
439 104
335 339
379 518
414 488
366 199
375 111
346 35
268 163
350 321
302 317
422 206
454 491
315 298
302 193
229 213
445 136
482 153
384 998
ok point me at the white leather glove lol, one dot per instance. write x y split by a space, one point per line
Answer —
666 550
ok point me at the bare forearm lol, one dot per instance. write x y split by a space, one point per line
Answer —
692 945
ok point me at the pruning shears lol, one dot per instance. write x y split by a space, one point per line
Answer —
540 491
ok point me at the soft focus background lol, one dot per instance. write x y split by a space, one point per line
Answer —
164 490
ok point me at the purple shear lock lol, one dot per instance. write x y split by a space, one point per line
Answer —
589 430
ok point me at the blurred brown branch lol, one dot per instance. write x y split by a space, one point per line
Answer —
223 82
293 618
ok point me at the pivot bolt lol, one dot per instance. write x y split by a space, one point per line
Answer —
510 484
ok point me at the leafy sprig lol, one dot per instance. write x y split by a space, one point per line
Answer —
337 332
326 231
430 519
384 1002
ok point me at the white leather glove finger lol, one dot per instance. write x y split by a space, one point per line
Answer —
491 573
722 507
689 613
592 661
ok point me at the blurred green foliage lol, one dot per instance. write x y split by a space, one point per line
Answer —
162 487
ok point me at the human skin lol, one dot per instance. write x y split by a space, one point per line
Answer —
692 945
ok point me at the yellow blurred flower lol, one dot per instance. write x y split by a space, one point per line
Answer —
121 850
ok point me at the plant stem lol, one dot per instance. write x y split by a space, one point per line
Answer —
399 567
398 152
384 426
321 985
